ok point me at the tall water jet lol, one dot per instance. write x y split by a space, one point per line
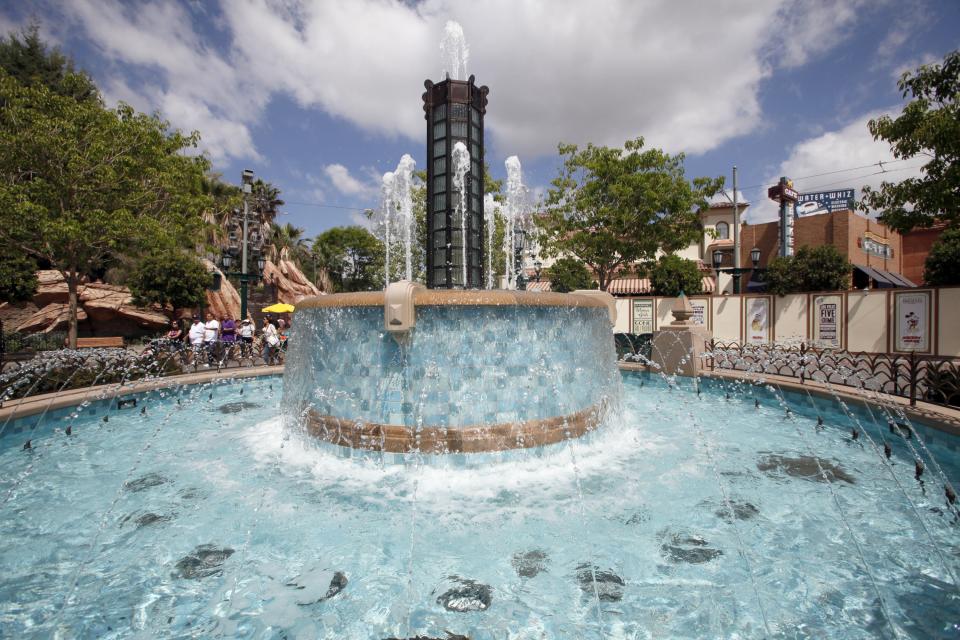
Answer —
516 215
490 209
454 51
461 165
403 183
386 219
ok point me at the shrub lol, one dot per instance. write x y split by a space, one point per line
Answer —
942 267
169 277
672 274
821 268
569 274
18 277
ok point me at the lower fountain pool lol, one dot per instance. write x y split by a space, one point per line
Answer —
195 515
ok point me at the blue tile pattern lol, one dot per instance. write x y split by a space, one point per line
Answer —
461 366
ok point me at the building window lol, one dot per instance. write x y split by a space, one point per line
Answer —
723 231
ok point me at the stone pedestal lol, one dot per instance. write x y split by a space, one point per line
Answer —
678 348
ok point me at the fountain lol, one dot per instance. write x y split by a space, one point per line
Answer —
455 462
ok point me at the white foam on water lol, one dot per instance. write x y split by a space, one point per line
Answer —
548 470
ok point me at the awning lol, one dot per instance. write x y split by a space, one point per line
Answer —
642 287
904 281
875 275
543 285
885 279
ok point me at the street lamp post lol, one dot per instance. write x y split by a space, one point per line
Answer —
521 278
228 258
736 272
247 184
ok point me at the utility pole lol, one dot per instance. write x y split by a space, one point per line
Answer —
736 236
247 181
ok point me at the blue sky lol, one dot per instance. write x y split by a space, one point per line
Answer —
321 98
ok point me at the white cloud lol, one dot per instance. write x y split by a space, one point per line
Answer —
346 184
847 148
813 27
198 89
684 75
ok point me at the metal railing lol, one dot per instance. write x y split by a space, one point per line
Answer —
934 379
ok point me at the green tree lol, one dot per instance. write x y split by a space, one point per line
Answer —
80 184
223 199
782 276
352 256
821 268
287 240
672 274
612 207
31 62
169 277
265 200
928 126
569 274
942 267
18 276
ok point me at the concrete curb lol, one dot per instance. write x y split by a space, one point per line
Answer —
941 418
33 405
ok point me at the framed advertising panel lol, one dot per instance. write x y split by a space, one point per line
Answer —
642 315
701 311
757 320
912 321
827 312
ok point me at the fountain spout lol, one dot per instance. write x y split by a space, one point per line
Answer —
399 315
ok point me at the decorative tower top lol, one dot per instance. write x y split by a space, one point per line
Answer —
454 110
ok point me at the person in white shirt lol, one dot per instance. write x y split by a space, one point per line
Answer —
195 335
271 341
246 336
211 333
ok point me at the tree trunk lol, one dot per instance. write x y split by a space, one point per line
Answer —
72 279
602 280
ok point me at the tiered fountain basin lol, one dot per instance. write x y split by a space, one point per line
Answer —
481 371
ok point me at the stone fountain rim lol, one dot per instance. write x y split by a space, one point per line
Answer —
457 298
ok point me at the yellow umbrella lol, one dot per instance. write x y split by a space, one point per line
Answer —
280 307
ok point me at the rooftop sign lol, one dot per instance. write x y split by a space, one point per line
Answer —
809 204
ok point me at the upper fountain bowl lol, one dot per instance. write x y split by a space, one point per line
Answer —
480 371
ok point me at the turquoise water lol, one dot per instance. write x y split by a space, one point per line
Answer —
463 365
688 516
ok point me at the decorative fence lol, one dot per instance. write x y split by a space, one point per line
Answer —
934 379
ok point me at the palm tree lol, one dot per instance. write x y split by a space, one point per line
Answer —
226 198
287 242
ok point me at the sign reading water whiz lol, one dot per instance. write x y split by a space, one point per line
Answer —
809 204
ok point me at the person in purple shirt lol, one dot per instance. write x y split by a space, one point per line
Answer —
228 332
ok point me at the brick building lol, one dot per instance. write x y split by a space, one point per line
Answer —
876 251
916 247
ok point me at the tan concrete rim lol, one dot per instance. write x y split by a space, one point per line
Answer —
389 438
930 415
32 405
456 298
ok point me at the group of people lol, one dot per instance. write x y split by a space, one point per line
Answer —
214 338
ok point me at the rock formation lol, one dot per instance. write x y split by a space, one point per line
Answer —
104 309
291 285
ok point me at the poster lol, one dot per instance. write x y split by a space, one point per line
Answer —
912 311
642 316
699 312
828 320
758 320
